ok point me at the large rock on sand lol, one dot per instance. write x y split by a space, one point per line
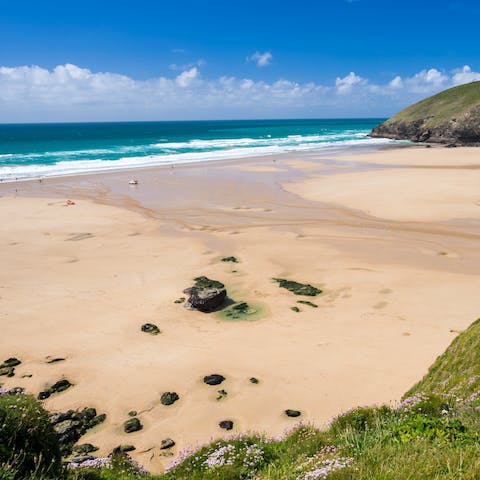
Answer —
206 295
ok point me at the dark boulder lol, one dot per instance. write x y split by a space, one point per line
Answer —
214 379
150 328
83 458
132 425
11 362
205 299
292 413
123 449
43 395
168 398
226 424
85 448
7 371
60 417
167 443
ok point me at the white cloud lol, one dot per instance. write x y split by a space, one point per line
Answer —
187 77
186 66
465 75
427 81
72 93
345 84
397 82
261 59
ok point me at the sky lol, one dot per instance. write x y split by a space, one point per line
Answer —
192 59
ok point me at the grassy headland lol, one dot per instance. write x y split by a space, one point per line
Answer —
449 116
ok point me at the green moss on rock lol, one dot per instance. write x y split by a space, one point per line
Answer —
205 282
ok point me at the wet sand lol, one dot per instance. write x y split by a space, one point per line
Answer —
398 262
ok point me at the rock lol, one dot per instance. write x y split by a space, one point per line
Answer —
150 328
298 288
96 420
10 362
222 394
254 380
60 417
86 414
83 458
295 309
7 371
85 448
214 379
132 425
56 360
306 302
451 145
230 259
123 449
66 426
206 295
292 413
71 425
180 300
167 443
205 299
168 398
60 386
132 413
226 424
43 395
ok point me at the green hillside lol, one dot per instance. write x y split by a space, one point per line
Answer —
449 116
457 371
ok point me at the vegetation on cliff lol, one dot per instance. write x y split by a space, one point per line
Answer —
451 116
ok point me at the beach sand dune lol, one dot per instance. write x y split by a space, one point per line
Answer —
399 281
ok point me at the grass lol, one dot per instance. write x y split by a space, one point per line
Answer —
457 371
439 108
434 433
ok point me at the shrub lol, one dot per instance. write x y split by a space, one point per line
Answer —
360 419
28 442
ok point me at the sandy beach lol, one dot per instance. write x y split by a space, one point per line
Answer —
391 237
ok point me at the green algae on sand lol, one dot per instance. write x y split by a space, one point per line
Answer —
298 288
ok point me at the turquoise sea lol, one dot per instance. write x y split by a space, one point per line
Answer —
36 150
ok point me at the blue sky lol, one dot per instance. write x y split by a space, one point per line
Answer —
125 59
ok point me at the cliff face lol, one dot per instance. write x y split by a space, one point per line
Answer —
452 116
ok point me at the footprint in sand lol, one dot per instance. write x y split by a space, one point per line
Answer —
380 305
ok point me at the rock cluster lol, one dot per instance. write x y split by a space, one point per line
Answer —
71 425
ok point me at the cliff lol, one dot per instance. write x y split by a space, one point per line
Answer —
451 116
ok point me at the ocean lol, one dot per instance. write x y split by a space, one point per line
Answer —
42 150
